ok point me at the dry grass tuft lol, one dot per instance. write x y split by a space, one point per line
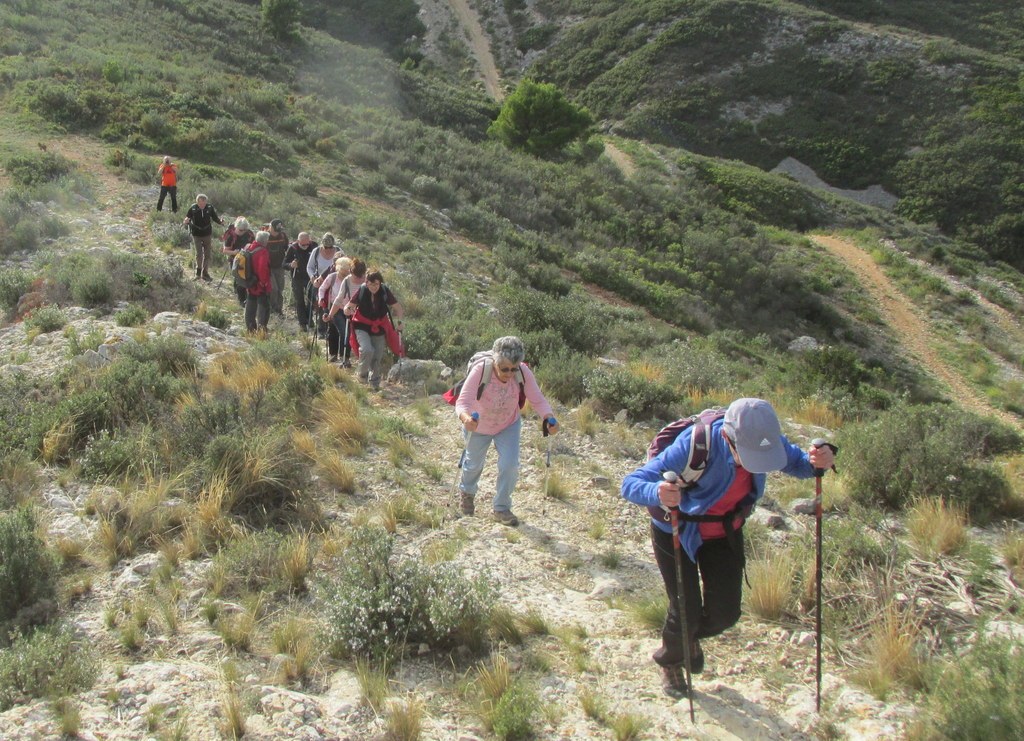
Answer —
57 441
771 580
374 684
936 528
404 721
340 421
587 420
294 637
1013 555
554 486
296 561
890 654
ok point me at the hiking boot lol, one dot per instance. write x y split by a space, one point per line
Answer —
206 277
673 681
505 517
199 273
468 504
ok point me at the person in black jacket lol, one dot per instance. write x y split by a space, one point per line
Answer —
200 218
295 259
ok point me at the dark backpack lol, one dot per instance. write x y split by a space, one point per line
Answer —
700 448
487 358
242 268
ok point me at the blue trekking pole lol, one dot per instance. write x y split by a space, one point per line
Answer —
462 458
672 478
548 423
818 474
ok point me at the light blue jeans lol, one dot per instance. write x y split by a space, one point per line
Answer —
506 443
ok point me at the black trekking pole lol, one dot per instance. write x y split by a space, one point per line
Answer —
818 474
462 458
673 478
345 349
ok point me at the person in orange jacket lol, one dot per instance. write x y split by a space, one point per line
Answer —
168 172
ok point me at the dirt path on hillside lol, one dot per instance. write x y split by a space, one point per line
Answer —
622 160
480 46
911 330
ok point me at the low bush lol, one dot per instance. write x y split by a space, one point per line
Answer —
46 319
92 287
132 316
109 457
561 374
977 696
253 563
37 168
13 284
516 713
916 452
379 603
618 388
28 572
45 664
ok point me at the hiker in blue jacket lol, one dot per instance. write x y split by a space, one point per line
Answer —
744 445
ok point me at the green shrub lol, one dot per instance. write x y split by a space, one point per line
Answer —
18 478
516 712
561 373
46 319
45 664
171 353
109 457
37 168
13 283
252 564
217 317
377 603
978 695
618 388
914 451
28 571
92 287
133 316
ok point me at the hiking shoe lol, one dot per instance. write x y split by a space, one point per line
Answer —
206 277
505 517
673 681
468 504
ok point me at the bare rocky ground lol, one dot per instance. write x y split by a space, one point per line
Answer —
570 561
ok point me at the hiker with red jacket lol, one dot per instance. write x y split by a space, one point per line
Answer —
499 421
257 301
744 445
168 172
370 311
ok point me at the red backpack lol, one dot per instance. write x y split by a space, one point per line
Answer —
700 448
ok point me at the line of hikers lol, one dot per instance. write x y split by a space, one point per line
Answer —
336 296
708 471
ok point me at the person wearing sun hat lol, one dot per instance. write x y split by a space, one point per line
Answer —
745 444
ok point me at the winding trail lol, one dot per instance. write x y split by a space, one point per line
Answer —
480 46
912 332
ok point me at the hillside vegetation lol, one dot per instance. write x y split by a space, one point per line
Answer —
924 100
194 518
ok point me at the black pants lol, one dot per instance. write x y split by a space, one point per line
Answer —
710 610
257 311
164 190
299 295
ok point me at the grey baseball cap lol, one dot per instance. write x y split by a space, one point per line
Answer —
755 431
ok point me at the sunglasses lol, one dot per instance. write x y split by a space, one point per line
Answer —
506 369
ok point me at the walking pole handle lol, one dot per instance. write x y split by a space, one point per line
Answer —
819 442
548 422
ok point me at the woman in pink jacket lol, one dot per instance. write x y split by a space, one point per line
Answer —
488 407
257 301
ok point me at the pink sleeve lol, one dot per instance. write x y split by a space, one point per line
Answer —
326 286
534 395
